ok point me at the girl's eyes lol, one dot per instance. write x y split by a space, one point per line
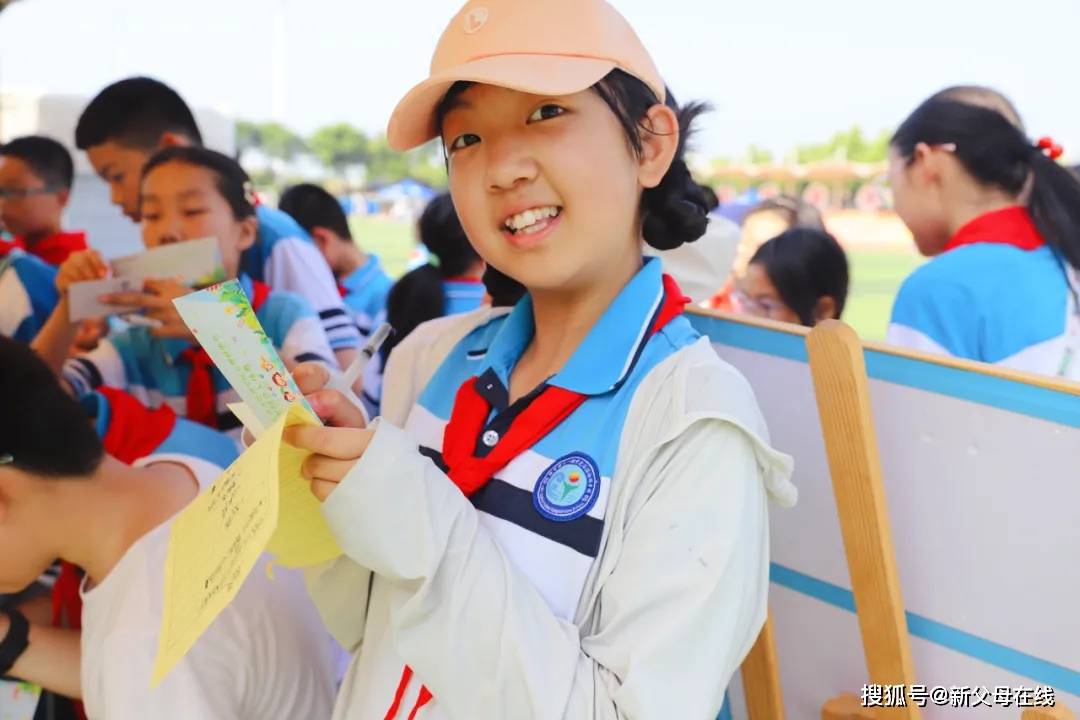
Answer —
546 112
148 217
193 212
464 141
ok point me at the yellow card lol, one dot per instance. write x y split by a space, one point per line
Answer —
302 537
261 502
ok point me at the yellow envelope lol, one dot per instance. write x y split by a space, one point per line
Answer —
261 502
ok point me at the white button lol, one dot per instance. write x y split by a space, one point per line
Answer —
490 438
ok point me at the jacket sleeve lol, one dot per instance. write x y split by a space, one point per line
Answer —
340 590
677 613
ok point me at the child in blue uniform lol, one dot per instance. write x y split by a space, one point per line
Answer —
583 532
27 294
130 120
1001 219
361 279
188 193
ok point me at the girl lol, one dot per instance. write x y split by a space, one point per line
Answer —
1002 220
187 193
800 276
583 531
451 286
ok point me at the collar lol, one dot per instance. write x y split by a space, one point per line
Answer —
361 276
1008 226
606 355
55 248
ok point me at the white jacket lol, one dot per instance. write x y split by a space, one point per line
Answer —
674 600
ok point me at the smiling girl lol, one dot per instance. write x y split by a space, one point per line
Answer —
582 532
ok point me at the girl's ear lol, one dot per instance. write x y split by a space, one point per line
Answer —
924 163
249 232
659 143
825 309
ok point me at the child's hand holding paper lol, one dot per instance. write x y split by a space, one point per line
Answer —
155 303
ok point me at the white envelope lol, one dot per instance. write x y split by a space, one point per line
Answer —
83 300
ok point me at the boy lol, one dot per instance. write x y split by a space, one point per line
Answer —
188 193
266 655
361 280
130 120
35 183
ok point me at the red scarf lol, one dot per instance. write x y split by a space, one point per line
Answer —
544 414
53 249
1011 226
201 398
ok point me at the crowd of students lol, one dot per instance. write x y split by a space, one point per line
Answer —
562 508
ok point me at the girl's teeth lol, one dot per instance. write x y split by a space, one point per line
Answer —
528 218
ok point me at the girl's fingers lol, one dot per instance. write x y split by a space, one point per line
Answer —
322 489
311 377
322 468
333 442
335 410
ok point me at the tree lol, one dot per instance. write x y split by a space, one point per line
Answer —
279 142
758 155
847 145
248 136
339 146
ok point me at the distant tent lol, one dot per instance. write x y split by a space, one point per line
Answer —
407 189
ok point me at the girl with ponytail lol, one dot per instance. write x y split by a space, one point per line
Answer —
1001 219
583 530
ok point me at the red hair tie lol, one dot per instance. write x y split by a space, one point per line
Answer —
1049 148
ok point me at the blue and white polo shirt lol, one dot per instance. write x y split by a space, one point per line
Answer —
364 291
150 368
997 294
285 258
546 508
27 294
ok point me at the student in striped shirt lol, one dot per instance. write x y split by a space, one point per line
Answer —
583 529
187 193
130 120
362 282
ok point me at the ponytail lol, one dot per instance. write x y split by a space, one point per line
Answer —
996 152
676 210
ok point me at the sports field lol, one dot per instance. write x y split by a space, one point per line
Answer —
876 269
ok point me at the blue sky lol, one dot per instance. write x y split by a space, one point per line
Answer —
777 73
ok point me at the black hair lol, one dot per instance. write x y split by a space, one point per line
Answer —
676 210
996 153
49 160
711 200
231 180
805 265
418 296
135 112
312 207
52 437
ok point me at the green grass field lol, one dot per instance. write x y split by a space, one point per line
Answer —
875 273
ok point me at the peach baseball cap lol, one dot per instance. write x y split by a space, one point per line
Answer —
543 47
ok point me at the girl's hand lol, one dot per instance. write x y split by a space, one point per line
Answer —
80 267
331 406
156 304
335 451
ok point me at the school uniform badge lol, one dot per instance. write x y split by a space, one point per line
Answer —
568 488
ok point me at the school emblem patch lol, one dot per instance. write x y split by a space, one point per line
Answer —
568 488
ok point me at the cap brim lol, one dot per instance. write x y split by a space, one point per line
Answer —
413 121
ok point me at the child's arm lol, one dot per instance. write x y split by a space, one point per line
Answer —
56 337
51 660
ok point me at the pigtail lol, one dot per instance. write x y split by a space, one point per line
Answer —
676 211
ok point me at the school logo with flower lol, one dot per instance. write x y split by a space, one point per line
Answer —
568 488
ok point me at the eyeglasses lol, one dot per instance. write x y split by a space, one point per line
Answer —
20 193
764 307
